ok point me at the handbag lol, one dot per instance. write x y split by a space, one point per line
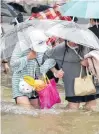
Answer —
84 86
49 95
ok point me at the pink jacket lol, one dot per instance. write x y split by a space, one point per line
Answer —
93 61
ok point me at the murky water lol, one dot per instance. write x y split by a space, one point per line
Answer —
17 119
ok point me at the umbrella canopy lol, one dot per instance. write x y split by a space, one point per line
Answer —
41 24
6 6
30 34
73 32
81 8
17 7
47 2
25 37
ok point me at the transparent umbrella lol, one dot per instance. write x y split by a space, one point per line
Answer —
73 32
28 34
25 38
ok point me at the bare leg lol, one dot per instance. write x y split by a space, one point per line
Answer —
24 101
90 105
72 105
35 103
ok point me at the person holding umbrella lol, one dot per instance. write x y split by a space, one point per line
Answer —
25 63
70 64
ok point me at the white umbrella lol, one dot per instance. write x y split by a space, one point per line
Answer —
73 32
25 38
30 33
41 24
32 30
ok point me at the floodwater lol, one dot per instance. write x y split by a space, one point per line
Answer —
17 119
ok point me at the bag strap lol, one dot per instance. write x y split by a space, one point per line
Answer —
63 57
37 62
78 54
46 79
86 71
34 71
80 72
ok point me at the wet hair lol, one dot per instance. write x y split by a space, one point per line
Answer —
80 49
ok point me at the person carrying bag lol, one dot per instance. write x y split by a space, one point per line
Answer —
84 86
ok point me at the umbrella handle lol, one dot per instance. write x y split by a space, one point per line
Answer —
17 21
73 18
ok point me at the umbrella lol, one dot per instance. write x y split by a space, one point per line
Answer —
38 27
17 7
73 32
24 36
41 24
6 6
81 8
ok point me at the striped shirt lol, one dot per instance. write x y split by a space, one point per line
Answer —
22 67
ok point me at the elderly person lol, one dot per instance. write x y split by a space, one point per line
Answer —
70 63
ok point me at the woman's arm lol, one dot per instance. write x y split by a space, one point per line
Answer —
57 73
47 65
49 54
20 63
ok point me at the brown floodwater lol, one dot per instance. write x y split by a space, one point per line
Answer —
17 119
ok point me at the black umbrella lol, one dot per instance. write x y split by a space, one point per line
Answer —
5 6
17 7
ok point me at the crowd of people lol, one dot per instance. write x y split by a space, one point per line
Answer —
61 62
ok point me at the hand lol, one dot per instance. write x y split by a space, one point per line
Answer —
84 62
6 68
31 55
59 73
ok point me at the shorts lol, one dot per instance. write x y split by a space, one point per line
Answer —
34 96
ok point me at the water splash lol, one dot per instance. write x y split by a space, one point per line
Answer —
12 108
7 107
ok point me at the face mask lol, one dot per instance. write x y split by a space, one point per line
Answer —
72 47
